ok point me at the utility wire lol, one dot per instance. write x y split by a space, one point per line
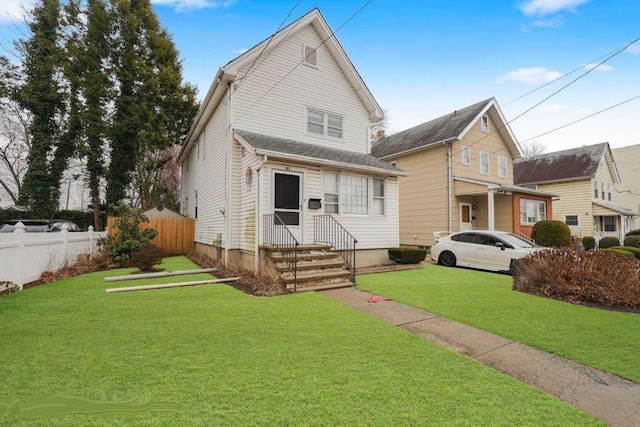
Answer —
301 62
617 52
556 129
250 71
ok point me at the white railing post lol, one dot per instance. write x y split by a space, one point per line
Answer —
91 242
65 243
19 231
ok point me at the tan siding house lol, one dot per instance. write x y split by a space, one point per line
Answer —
627 191
284 130
460 176
584 178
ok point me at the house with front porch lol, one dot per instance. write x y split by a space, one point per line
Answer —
278 159
584 178
460 170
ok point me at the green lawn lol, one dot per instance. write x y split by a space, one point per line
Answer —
227 358
604 339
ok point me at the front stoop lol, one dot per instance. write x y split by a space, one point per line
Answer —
319 268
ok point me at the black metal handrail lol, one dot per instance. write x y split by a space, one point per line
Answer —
276 233
326 229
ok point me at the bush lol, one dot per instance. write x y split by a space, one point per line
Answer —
634 232
146 257
629 249
599 277
407 255
632 241
617 250
554 234
127 236
589 243
608 242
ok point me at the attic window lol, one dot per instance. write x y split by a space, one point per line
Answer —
484 124
309 56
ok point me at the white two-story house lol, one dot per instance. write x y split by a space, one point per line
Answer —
282 138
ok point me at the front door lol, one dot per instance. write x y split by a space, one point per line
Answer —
287 194
465 217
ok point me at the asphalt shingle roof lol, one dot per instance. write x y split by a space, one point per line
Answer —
571 164
436 130
315 152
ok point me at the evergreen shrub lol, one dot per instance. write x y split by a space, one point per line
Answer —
554 234
407 255
589 243
608 242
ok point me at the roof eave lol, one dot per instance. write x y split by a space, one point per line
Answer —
413 150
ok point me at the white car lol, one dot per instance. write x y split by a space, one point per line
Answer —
487 250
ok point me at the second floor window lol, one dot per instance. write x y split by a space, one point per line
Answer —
502 167
484 163
484 124
466 155
595 189
321 123
602 191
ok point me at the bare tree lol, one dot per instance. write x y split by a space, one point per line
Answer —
156 180
532 148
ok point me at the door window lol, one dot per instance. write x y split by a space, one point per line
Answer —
287 198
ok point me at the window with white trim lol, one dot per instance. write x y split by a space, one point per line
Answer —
602 194
595 189
609 192
609 223
572 220
484 124
502 167
484 163
325 124
354 194
532 211
378 196
466 155
331 192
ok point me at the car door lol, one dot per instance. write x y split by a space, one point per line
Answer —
464 248
490 256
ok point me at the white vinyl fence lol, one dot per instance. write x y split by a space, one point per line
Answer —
25 256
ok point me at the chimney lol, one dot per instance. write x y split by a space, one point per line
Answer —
379 135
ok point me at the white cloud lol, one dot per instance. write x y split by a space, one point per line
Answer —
553 108
544 23
532 75
13 10
603 67
184 5
548 7
634 48
240 51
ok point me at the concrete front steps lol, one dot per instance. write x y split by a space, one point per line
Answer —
319 268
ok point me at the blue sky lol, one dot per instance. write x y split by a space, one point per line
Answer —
423 59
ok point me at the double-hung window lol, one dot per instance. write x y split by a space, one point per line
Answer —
532 211
466 155
484 163
595 189
572 220
502 167
350 194
602 194
331 192
484 124
378 196
325 124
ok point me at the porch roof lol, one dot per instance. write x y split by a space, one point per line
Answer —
302 152
507 187
617 209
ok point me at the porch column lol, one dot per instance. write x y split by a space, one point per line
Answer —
622 229
491 210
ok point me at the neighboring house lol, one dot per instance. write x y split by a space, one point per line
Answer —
284 129
162 212
461 176
584 178
628 190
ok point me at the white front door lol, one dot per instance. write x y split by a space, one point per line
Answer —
287 197
465 217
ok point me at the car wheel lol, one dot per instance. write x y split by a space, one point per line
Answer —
448 259
512 266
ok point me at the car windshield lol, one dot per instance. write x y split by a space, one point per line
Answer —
516 241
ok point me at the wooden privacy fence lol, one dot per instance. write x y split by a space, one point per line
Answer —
175 235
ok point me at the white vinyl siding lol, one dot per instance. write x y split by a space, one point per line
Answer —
532 211
466 155
502 167
484 163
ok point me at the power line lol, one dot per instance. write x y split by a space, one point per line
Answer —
557 129
249 71
301 62
617 52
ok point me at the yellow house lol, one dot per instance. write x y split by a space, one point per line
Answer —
628 191
584 178
461 176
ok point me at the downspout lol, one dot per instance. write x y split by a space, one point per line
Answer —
449 188
258 232
227 181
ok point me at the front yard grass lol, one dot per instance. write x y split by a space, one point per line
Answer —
606 340
228 358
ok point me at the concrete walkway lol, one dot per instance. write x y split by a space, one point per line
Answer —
608 397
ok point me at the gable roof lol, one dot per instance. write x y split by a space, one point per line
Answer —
450 127
568 165
228 73
303 152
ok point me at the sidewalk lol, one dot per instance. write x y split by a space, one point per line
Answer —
608 397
